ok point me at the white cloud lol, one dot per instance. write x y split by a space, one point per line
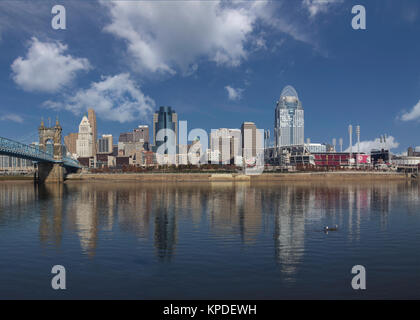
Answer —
234 94
46 68
165 36
317 6
414 114
367 146
115 98
11 117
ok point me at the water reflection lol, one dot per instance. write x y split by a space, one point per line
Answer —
50 202
239 212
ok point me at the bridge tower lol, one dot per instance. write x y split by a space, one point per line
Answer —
51 172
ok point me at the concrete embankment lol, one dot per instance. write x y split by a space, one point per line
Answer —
203 177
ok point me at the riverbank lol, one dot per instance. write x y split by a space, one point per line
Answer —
16 178
209 177
265 177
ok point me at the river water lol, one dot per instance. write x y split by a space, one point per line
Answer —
209 240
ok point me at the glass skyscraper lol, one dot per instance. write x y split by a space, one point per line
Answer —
165 118
289 122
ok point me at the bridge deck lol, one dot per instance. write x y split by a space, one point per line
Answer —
19 150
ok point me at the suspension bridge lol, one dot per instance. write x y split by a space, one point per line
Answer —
19 150
51 167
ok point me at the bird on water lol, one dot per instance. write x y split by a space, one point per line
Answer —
335 228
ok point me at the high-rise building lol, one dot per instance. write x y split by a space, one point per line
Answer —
126 137
92 121
85 139
141 134
164 118
139 138
226 146
70 142
289 119
105 144
252 141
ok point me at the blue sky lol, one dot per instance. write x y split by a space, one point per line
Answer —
217 63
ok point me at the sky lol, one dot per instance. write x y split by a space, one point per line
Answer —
216 63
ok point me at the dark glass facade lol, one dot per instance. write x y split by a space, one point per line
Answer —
165 118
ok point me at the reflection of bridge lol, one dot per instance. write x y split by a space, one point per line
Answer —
51 166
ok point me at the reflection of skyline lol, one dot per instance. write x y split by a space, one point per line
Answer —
82 216
291 206
51 216
159 212
235 208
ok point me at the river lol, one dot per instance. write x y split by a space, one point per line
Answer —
220 240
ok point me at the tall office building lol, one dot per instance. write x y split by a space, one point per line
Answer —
289 119
105 144
141 134
252 141
85 139
165 118
92 121
70 142
137 140
126 137
226 146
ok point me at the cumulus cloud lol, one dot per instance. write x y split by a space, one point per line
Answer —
114 98
168 36
11 117
413 114
367 146
317 6
234 94
46 67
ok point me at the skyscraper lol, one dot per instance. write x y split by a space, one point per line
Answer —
252 141
226 146
141 134
289 119
92 121
165 118
85 139
105 144
70 142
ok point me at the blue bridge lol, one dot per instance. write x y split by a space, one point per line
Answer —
19 150
50 167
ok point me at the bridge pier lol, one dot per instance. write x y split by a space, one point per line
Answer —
50 172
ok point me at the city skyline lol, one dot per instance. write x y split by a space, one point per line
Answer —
223 153
340 77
